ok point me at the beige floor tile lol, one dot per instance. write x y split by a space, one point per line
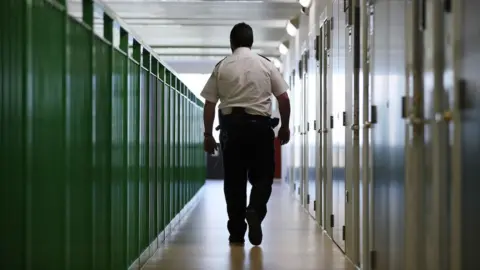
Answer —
292 240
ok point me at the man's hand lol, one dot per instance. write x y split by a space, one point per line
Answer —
209 144
284 135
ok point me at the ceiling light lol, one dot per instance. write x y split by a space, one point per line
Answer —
292 27
291 30
283 48
305 3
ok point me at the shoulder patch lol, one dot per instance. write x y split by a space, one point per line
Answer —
264 57
220 62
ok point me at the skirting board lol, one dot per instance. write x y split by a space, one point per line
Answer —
155 244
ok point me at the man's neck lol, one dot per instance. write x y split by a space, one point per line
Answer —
241 50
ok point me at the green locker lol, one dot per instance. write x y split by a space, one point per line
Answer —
134 84
102 108
78 108
174 146
143 181
178 123
166 151
100 148
152 150
161 139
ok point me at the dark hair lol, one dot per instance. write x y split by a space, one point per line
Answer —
241 36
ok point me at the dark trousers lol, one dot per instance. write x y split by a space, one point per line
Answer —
248 153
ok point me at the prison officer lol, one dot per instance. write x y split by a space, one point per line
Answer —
244 83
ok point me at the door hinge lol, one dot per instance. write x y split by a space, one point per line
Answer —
463 103
331 121
331 23
343 233
373 259
300 69
308 126
314 124
346 5
404 107
332 223
308 198
294 186
315 205
447 5
373 114
344 119
423 15
305 61
346 196
326 37
298 190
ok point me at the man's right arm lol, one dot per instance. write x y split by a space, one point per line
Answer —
279 90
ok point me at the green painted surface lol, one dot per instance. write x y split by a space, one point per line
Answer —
99 150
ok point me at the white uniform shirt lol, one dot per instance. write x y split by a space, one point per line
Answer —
244 79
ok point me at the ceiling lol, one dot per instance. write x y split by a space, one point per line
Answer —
193 35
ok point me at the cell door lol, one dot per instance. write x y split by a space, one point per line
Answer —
466 120
308 140
317 130
338 102
304 196
327 126
438 101
351 123
297 139
291 149
291 145
310 147
364 144
416 149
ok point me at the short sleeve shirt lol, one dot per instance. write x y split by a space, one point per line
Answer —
244 79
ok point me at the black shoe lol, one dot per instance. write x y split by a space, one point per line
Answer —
237 243
254 228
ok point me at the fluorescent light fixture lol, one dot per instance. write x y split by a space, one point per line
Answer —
292 26
291 30
305 3
282 48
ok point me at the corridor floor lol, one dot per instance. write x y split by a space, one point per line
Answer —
291 239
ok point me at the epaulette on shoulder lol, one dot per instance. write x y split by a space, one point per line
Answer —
220 62
264 57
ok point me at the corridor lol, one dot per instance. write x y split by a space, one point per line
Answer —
102 135
292 240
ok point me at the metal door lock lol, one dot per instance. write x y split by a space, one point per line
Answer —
415 121
354 127
319 130
367 124
444 117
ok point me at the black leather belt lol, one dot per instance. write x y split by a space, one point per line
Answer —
239 113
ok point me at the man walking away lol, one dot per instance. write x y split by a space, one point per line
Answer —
244 83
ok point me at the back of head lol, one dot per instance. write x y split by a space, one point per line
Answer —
241 36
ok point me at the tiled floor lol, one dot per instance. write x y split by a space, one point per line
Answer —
292 240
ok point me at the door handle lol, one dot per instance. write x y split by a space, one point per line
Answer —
367 124
416 121
444 117
354 127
